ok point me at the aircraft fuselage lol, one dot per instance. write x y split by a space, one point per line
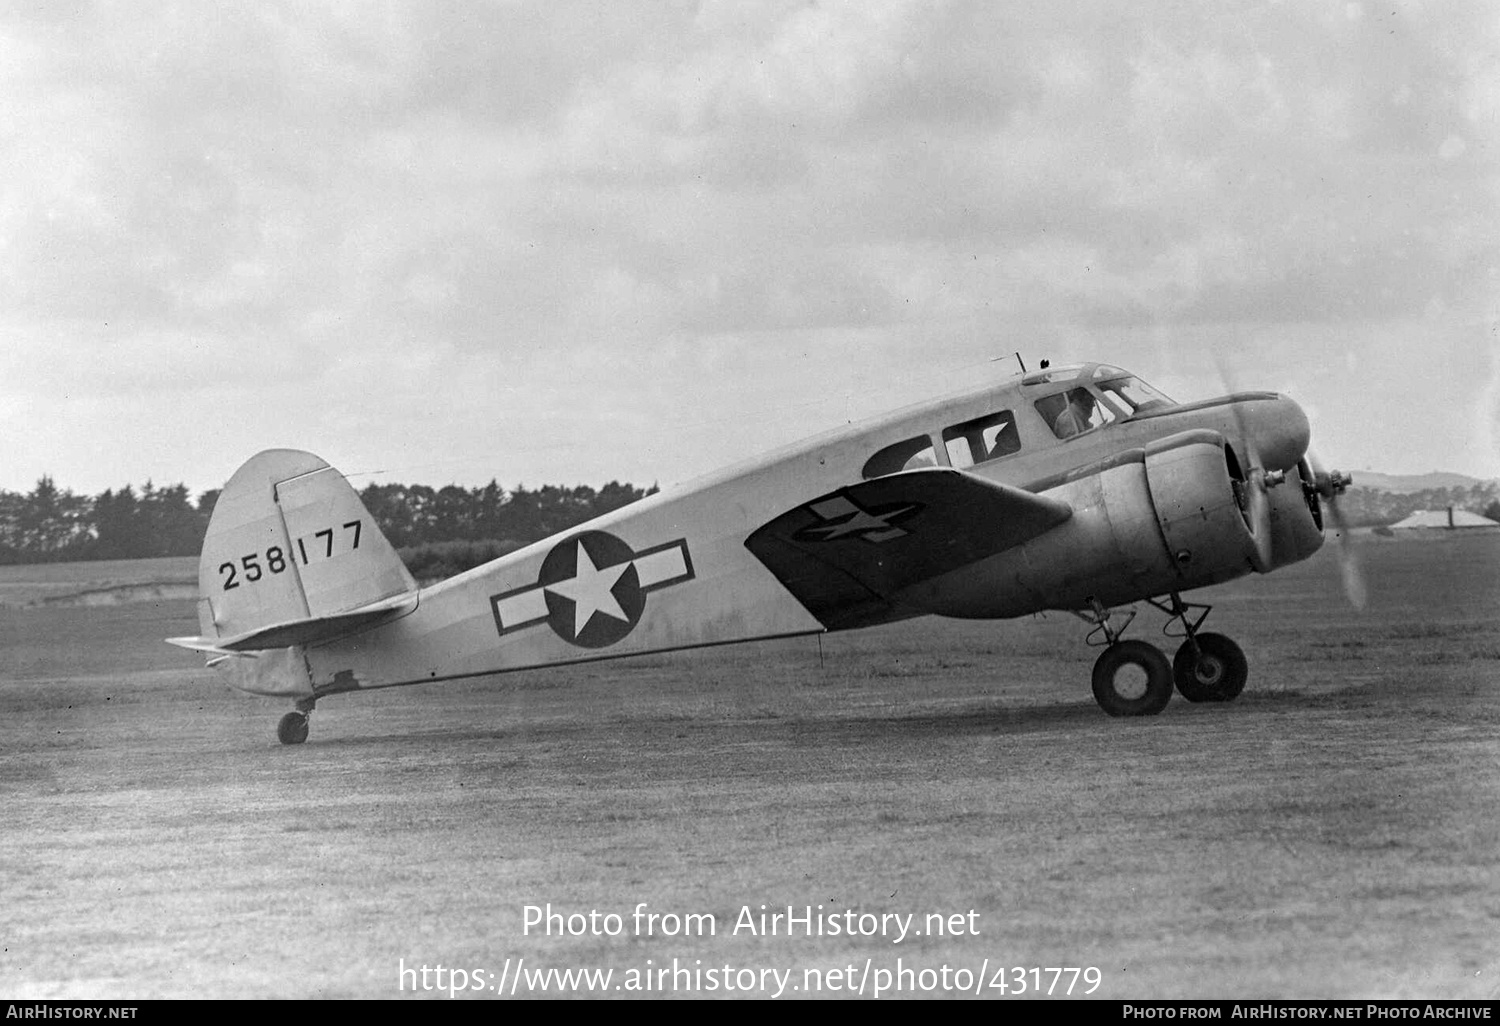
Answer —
1153 504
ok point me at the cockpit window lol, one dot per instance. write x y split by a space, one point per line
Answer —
905 455
1067 372
981 440
1133 394
1073 412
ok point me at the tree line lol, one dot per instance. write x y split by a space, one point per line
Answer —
50 524
437 530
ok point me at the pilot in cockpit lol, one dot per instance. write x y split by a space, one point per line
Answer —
1077 416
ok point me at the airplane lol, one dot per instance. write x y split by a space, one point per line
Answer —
1074 488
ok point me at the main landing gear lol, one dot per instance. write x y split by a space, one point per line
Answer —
292 730
1133 678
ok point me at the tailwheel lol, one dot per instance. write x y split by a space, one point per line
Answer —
1210 668
292 730
1132 678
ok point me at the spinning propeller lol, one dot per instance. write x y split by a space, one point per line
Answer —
1324 487
1321 490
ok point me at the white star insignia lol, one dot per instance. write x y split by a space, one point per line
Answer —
862 521
591 590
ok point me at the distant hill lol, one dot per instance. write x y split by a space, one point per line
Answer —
1405 484
1379 499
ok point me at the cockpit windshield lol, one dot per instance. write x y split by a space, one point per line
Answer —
1134 395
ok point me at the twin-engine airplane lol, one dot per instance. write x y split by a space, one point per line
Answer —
1075 488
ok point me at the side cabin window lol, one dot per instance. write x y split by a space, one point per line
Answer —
904 455
981 440
1073 412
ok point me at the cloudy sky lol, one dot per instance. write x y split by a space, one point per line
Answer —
561 242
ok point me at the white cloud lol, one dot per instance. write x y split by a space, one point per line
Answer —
349 220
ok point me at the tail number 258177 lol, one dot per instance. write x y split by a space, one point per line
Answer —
315 546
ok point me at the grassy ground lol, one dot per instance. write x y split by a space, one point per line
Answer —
1332 834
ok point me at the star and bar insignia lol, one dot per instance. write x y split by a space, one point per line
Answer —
844 518
591 589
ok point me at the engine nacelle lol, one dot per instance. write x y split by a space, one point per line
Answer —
1172 516
1296 517
1202 506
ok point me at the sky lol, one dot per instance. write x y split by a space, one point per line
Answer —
572 242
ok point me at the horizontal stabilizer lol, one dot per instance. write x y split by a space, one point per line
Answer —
307 631
208 646
848 555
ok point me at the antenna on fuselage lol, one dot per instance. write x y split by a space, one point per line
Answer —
1021 362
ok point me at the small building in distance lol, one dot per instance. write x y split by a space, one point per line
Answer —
1443 519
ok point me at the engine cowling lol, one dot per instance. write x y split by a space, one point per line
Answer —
1214 518
1296 517
1181 513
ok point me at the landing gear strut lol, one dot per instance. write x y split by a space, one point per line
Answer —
292 730
1208 667
1133 678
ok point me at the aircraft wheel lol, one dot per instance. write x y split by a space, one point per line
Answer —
1132 678
292 730
1218 672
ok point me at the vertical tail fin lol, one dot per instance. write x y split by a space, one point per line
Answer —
293 557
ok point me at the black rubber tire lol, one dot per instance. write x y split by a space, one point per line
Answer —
292 730
1107 684
1216 673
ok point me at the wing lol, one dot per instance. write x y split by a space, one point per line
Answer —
848 555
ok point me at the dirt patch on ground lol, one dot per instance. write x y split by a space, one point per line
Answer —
122 593
98 583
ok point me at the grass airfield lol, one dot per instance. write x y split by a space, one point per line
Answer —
1332 834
